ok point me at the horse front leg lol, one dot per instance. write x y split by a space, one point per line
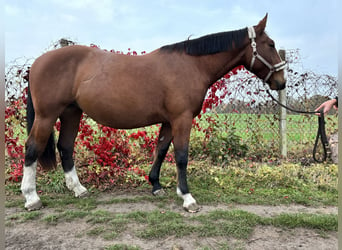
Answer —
164 141
181 131
70 119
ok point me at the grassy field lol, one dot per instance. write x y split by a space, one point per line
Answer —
108 217
299 127
238 182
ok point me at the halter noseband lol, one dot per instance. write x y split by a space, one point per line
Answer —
273 68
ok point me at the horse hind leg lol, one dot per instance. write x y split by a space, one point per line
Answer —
35 147
70 119
28 187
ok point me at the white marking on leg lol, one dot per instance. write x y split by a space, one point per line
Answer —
28 187
188 199
73 183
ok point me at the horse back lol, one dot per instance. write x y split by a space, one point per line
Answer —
116 90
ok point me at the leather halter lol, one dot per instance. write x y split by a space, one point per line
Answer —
273 68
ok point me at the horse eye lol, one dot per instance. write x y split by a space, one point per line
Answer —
272 45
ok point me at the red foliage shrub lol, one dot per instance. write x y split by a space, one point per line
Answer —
104 154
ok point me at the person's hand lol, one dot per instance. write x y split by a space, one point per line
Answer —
326 106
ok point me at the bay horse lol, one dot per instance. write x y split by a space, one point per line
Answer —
166 86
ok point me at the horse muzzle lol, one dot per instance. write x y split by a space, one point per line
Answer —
278 85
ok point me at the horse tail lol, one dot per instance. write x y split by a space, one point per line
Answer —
48 158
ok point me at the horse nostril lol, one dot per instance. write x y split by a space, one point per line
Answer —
280 85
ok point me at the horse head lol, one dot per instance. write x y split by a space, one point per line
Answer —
263 59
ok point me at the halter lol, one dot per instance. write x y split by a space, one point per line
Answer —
277 67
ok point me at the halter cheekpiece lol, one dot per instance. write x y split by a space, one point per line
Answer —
273 68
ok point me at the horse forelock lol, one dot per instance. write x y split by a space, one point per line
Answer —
209 44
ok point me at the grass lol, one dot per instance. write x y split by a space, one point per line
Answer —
24 216
215 185
311 221
251 183
299 127
240 182
163 223
121 247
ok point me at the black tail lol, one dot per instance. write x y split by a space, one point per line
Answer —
48 158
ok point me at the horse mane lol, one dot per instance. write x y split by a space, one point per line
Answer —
209 44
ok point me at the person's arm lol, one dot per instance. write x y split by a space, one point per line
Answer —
327 105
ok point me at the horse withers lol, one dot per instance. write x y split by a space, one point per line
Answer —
166 86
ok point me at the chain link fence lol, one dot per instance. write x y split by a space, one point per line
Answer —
256 117
245 107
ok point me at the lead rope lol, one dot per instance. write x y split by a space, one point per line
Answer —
320 132
324 139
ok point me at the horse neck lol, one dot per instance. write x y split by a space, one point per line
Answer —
217 65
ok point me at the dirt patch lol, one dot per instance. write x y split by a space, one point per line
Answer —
72 235
269 211
270 238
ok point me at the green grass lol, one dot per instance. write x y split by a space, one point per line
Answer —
163 223
160 224
311 221
240 182
251 183
24 216
299 127
121 247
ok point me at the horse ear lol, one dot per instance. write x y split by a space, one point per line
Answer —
261 25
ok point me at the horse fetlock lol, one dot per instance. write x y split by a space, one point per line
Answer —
73 183
75 186
32 199
190 204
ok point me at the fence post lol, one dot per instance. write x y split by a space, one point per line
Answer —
282 115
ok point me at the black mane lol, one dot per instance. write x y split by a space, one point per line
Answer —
209 44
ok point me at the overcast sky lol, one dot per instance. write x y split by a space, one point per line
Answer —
33 26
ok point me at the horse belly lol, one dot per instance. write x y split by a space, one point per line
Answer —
126 120
125 113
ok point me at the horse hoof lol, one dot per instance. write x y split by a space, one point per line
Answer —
159 192
34 206
192 208
83 194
